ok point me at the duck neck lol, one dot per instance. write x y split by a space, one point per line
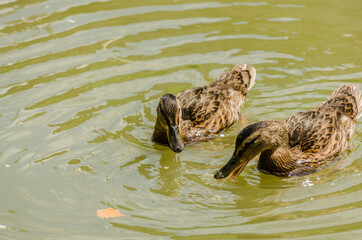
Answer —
277 161
159 134
276 158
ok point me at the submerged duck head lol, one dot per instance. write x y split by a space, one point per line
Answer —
252 140
168 115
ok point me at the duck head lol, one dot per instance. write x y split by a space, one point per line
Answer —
169 115
252 140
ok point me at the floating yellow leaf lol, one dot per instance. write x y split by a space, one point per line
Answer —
109 213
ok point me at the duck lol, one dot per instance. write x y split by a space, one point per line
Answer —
303 144
202 113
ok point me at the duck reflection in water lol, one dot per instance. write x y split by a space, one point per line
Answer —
170 175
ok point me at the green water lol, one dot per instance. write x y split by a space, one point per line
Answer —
79 85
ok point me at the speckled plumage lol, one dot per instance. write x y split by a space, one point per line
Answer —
318 136
207 111
304 143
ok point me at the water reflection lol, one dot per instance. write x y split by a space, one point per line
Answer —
170 175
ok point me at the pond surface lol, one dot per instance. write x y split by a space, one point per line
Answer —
80 83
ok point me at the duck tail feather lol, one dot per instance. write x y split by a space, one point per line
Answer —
240 78
348 100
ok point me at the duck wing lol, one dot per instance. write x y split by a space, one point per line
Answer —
328 127
200 105
218 102
312 130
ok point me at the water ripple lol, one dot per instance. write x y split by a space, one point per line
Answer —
81 81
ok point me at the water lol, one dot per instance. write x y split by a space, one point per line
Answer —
80 82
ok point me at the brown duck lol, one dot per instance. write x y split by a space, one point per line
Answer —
304 143
202 113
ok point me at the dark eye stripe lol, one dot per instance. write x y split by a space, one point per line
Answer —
165 117
248 130
247 145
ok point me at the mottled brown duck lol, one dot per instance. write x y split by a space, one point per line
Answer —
202 113
304 143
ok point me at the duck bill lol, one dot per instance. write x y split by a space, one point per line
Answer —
233 168
174 139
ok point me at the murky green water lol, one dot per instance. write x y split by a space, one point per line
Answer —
80 82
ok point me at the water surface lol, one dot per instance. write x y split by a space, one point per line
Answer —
80 82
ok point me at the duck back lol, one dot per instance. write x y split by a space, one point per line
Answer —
211 109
